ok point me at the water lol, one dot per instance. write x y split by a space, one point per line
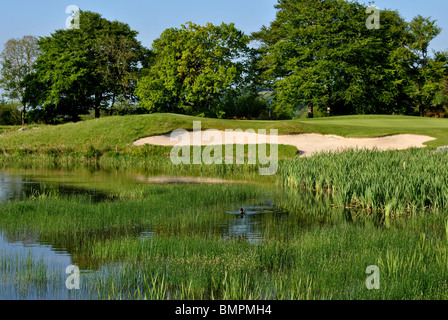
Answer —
249 225
53 256
18 248
19 184
15 188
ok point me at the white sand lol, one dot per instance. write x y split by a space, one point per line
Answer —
308 143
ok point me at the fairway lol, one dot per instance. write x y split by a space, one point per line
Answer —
379 121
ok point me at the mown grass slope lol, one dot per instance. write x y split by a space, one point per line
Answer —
122 131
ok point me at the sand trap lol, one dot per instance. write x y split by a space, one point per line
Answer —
307 144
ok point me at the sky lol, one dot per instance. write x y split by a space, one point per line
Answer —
151 18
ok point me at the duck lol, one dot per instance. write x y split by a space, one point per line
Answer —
242 212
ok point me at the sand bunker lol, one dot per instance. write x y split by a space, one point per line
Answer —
307 144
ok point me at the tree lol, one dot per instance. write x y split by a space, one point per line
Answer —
440 100
194 66
86 68
114 55
17 59
427 72
321 54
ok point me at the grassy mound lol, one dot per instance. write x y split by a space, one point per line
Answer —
122 131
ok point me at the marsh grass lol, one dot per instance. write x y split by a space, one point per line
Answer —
142 157
326 263
344 212
392 183
183 260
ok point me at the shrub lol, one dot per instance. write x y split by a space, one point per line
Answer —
93 153
9 114
248 106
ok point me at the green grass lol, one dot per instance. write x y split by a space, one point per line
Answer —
8 129
346 211
382 125
392 183
183 260
122 131
155 159
326 263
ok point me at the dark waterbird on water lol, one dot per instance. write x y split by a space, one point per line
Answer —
242 212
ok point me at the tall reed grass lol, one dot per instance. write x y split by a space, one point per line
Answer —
319 249
393 183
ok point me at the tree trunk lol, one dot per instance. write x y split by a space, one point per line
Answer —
310 111
97 112
23 114
97 106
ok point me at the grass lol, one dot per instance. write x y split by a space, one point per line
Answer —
326 263
392 183
345 212
186 210
149 158
382 125
184 259
7 127
107 142
122 131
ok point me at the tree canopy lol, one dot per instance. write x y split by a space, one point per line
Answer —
320 52
18 59
194 66
86 68
320 55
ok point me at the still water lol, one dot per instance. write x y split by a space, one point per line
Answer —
53 257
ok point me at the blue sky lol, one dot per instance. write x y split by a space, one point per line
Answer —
150 18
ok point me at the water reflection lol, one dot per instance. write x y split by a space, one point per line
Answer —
11 188
19 184
250 225
17 187
59 250
31 270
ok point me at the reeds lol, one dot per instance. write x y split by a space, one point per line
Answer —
317 249
374 181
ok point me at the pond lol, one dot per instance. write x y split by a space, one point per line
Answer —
25 250
15 187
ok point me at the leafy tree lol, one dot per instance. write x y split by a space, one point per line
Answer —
86 68
320 53
17 59
194 66
440 100
236 104
427 72
117 65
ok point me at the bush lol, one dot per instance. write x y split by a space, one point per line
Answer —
9 114
243 106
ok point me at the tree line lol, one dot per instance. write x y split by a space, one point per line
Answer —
317 58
